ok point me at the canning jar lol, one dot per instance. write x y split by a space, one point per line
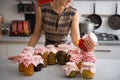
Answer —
29 71
21 67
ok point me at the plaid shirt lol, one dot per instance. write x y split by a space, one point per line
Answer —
57 28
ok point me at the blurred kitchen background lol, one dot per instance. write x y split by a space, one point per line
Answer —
104 8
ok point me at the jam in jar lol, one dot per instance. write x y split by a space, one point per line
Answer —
29 71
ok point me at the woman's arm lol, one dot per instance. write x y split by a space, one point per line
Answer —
38 29
75 34
37 32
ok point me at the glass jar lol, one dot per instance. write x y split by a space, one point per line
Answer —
52 58
87 74
61 57
21 67
72 74
29 71
45 58
88 70
38 67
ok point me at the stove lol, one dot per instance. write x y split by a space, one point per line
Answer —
106 37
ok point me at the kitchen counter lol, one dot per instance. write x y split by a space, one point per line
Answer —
23 39
106 70
7 39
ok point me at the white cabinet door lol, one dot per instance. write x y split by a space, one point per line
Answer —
3 50
107 52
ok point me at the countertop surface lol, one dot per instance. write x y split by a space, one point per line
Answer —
25 39
7 39
105 70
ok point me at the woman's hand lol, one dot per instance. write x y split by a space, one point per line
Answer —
88 42
12 57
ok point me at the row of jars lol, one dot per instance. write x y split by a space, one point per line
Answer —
50 55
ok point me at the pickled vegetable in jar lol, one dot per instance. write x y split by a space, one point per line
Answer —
21 67
70 69
29 71
51 58
62 57
72 74
88 70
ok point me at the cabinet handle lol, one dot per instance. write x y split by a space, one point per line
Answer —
102 50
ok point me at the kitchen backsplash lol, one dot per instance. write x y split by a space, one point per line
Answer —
9 9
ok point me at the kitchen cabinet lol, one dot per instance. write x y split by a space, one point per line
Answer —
101 51
3 50
13 45
107 52
10 46
10 49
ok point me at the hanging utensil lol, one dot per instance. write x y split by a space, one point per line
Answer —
95 18
114 20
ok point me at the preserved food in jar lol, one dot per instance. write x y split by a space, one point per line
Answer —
29 71
38 67
21 67
72 74
45 58
70 69
88 70
87 74
62 57
51 58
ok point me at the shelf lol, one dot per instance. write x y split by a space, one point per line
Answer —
27 12
102 15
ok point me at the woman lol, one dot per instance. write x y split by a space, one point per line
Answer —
58 20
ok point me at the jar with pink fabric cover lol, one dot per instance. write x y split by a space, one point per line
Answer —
51 50
88 70
42 51
39 60
88 42
70 69
61 54
75 56
27 61
88 57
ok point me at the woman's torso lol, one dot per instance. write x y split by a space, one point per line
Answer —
56 28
